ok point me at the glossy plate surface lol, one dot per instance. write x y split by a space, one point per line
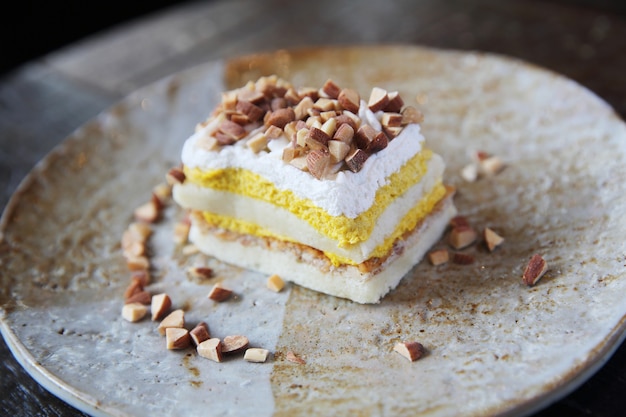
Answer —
495 346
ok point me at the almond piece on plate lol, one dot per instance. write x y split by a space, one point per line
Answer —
211 349
349 99
462 236
438 256
536 268
160 305
200 333
275 283
410 350
175 319
256 355
234 344
177 338
134 312
219 293
492 239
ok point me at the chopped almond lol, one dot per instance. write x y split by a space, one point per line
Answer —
160 305
200 333
211 349
292 357
536 268
492 239
438 256
177 338
234 344
462 236
410 350
219 293
378 99
275 283
256 355
134 312
349 100
175 319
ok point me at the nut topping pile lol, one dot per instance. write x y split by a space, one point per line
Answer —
323 125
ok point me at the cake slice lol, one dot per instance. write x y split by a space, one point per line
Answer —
325 189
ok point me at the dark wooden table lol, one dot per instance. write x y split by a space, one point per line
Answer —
44 100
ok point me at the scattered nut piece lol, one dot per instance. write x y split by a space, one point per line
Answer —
258 142
491 165
331 89
147 212
163 192
210 349
177 338
256 355
219 293
470 172
536 268
459 220
175 176
175 319
181 232
189 249
200 333
292 357
275 283
356 159
492 239
136 285
142 276
462 259
438 256
410 350
200 272
160 304
142 297
134 312
138 263
234 344
462 236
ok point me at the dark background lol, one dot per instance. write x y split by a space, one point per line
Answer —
31 29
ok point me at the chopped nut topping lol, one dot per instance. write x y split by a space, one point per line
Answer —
281 117
177 338
492 239
160 304
310 118
317 161
211 349
338 150
536 268
234 344
137 263
439 256
200 333
275 283
331 89
219 293
256 355
136 285
134 312
175 319
356 159
410 350
378 99
395 102
181 232
292 357
411 115
462 236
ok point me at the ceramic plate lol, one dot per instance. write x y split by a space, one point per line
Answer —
494 345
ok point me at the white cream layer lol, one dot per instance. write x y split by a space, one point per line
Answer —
347 193
285 224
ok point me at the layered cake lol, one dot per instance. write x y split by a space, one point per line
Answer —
329 190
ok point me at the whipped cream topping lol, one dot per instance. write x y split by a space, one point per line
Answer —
346 193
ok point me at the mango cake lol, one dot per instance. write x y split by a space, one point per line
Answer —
327 190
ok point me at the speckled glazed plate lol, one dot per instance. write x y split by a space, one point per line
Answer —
495 346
